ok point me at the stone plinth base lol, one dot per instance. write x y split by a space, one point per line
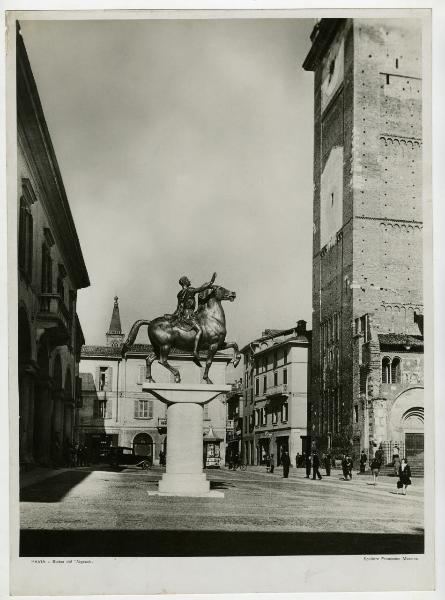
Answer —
184 475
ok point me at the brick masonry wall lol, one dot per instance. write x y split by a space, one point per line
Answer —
373 266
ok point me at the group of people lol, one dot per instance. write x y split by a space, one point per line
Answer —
285 463
76 455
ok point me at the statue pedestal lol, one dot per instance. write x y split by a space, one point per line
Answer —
184 474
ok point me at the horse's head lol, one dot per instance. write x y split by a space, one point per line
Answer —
216 292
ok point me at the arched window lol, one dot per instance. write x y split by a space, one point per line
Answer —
386 372
396 376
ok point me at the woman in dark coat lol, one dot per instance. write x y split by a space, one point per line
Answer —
404 476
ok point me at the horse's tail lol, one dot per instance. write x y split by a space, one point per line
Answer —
132 335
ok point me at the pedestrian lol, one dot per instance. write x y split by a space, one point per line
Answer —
308 461
404 476
350 465
297 460
315 466
396 461
271 463
379 455
375 468
327 464
285 461
363 461
344 467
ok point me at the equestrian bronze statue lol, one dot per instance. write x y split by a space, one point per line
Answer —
188 329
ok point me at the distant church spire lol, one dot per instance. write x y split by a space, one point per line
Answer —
115 337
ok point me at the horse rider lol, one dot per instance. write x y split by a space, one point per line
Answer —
185 315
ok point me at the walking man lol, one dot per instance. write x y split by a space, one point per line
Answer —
315 466
271 463
327 464
285 460
363 461
308 461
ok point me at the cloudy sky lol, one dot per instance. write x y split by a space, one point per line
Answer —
185 148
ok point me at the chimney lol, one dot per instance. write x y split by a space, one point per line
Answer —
301 327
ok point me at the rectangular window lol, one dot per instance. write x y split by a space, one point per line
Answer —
275 359
263 417
274 417
143 409
285 376
257 417
25 240
284 413
142 374
285 356
264 385
355 413
104 379
251 395
275 378
257 387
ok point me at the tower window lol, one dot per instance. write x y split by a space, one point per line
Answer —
332 198
395 370
355 413
386 374
397 63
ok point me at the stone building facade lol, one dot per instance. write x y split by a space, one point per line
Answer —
114 411
367 240
276 382
51 270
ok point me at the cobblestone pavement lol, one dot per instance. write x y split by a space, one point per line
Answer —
339 512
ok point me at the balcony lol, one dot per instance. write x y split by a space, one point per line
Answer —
54 318
278 390
230 424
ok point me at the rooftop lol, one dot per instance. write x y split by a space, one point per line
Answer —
398 340
142 349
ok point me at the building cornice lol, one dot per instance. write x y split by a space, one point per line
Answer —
321 38
36 141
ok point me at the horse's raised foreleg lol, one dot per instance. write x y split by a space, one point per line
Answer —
236 353
210 354
149 361
164 351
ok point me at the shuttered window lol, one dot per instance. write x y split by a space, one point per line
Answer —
142 374
143 409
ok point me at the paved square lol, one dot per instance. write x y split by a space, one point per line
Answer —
84 512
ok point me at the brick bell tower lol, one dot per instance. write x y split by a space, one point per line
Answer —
367 231
114 335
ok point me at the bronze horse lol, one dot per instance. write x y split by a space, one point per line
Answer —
165 334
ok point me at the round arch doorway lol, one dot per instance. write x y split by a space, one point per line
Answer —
143 445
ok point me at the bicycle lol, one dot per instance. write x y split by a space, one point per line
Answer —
242 466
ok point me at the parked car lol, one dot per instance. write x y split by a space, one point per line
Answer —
124 456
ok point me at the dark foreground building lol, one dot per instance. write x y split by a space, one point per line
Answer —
367 386
51 270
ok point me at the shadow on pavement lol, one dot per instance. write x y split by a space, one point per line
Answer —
58 489
212 543
221 485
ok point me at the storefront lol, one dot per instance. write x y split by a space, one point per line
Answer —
263 450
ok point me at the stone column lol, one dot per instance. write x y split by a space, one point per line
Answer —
57 427
184 473
26 413
43 415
